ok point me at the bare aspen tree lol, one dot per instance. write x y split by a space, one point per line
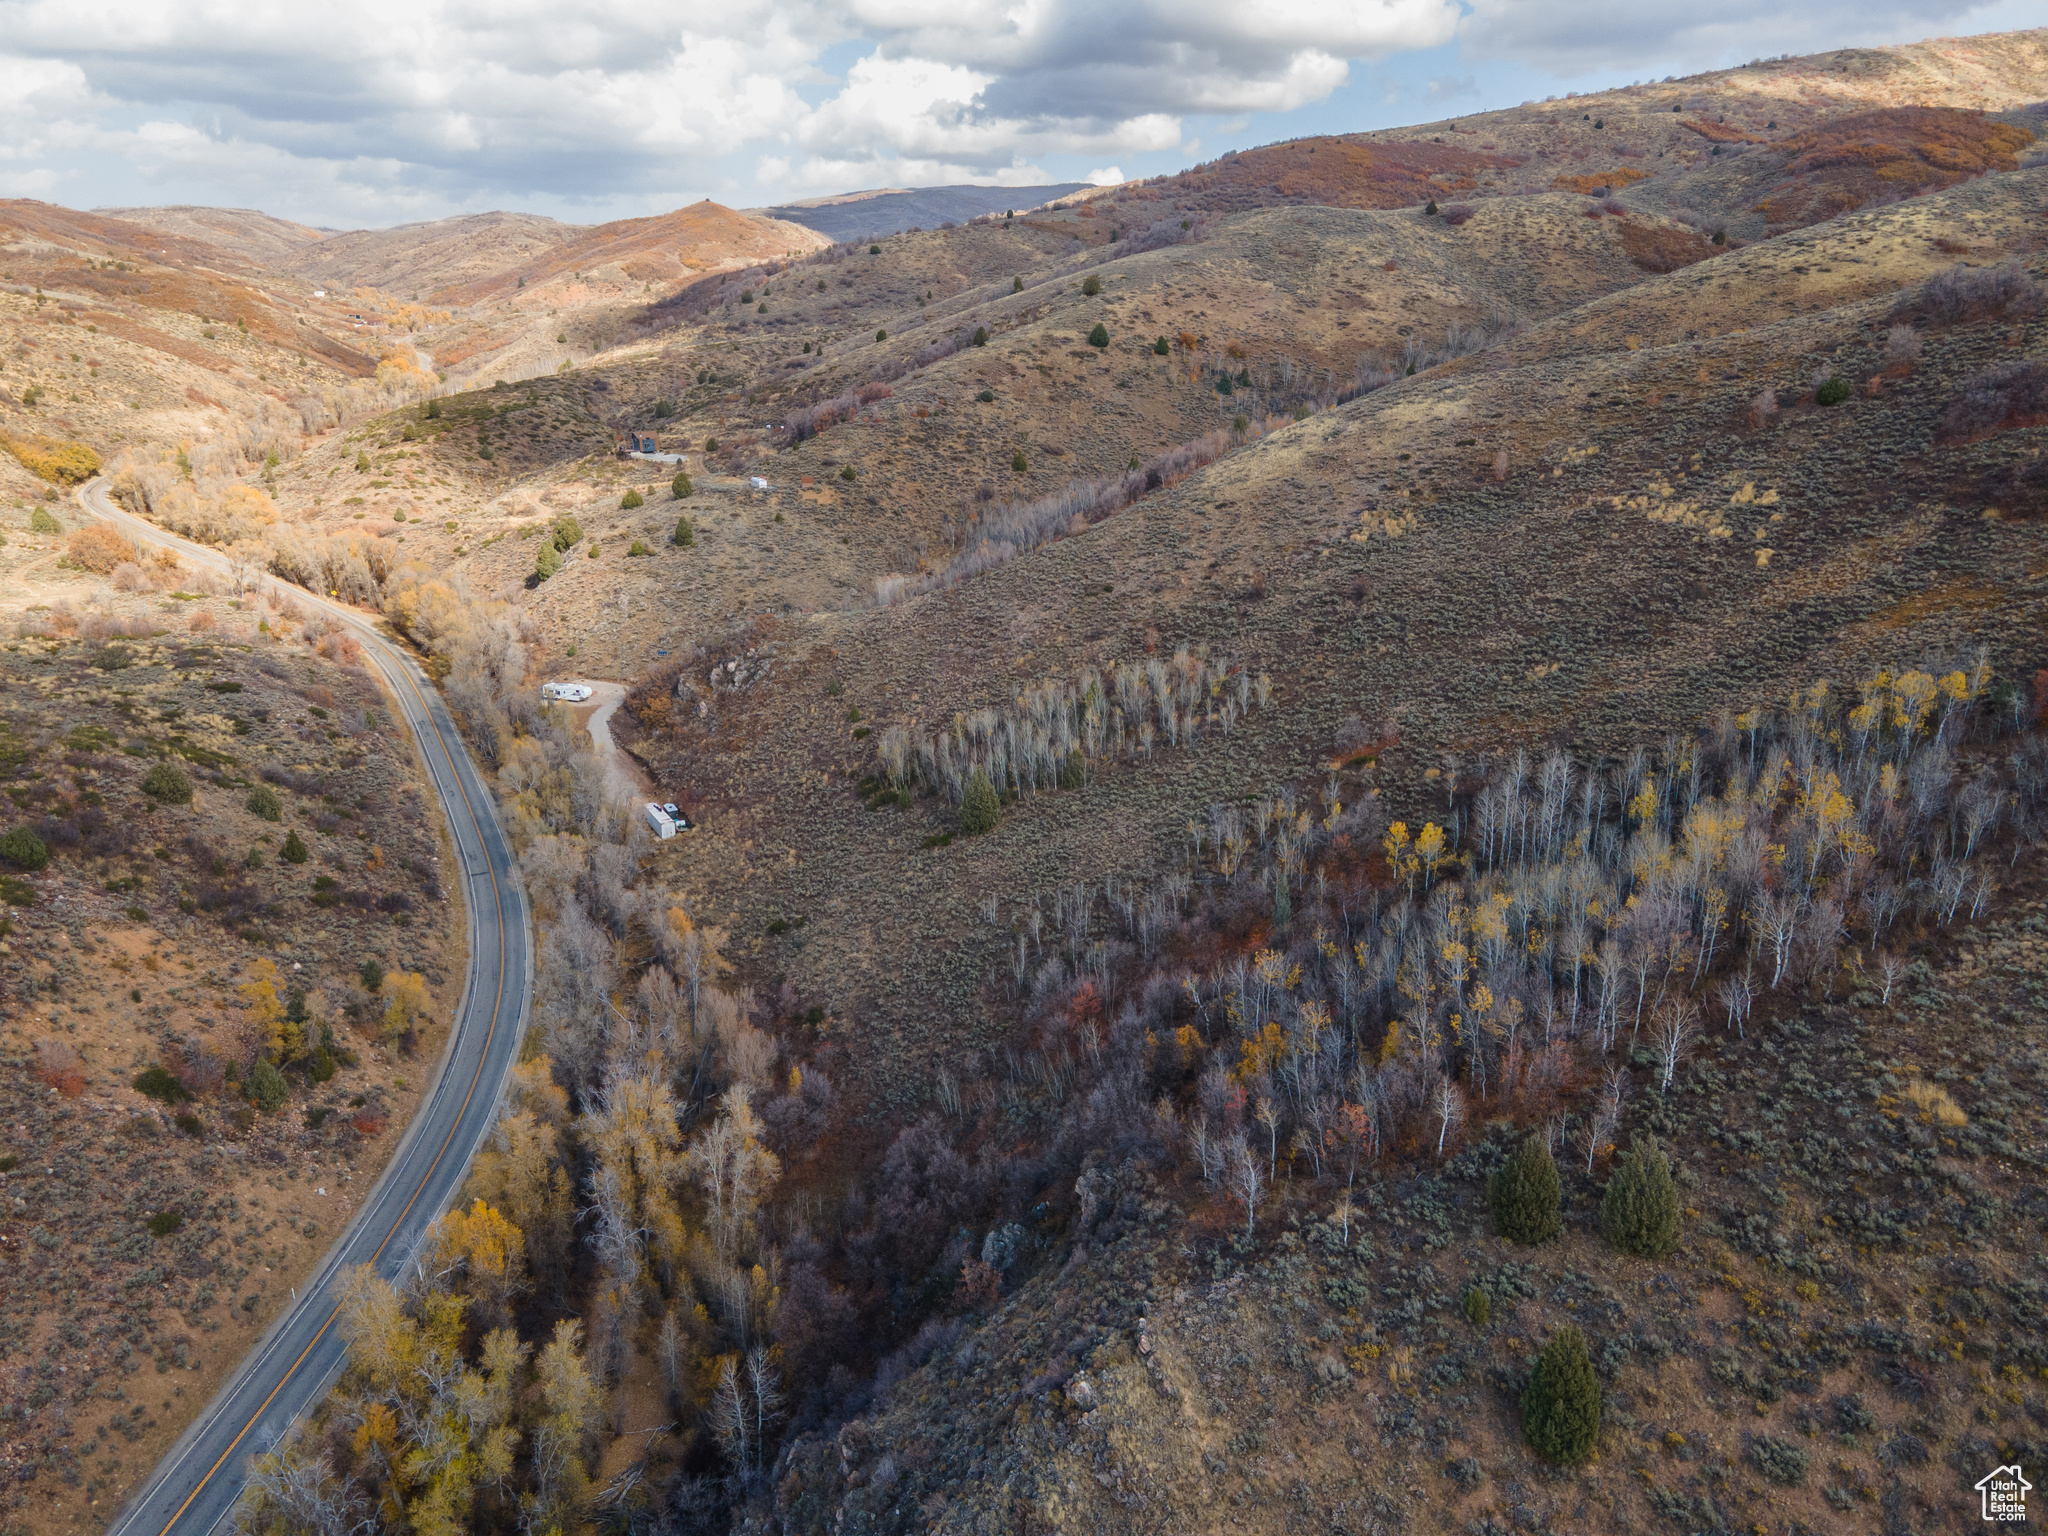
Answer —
764 1391
1208 1152
294 1494
1775 918
732 1167
1605 1117
1247 1182
1980 893
1608 966
1947 885
1889 967
731 1419
1735 996
672 1353
1672 1036
1269 1117
1980 804
1448 1106
1882 901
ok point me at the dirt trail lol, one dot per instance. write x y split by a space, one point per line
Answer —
624 775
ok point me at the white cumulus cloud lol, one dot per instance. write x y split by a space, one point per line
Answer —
424 103
394 109
1581 36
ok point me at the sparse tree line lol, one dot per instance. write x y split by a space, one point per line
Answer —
667 1181
1053 732
1284 391
1419 355
1375 982
621 1211
995 538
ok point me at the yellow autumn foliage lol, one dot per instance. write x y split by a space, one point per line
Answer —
53 458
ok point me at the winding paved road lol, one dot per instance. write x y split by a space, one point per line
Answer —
195 1486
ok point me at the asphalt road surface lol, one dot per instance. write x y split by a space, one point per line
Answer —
195 1486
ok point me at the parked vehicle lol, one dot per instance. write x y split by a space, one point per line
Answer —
667 820
568 693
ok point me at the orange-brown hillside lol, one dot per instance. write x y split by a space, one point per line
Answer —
1332 172
1850 162
668 248
251 234
127 267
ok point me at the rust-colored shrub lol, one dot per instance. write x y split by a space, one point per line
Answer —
97 548
202 620
1884 155
1333 173
1598 184
58 1066
339 645
1663 247
1979 293
1722 133
1997 400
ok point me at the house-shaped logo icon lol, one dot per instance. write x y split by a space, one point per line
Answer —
2005 1495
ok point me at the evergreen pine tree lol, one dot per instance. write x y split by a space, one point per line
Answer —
167 785
24 850
1561 1408
267 1090
979 807
1524 1194
295 848
1099 337
1639 1213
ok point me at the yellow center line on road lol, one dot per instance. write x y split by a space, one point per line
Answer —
388 661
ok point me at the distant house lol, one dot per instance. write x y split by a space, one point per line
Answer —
639 442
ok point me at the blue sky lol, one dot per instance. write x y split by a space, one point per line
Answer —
399 110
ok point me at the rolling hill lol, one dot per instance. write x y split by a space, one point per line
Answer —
1230 723
891 210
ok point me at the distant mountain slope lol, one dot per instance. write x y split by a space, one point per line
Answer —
889 210
260 238
172 293
418 259
667 248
